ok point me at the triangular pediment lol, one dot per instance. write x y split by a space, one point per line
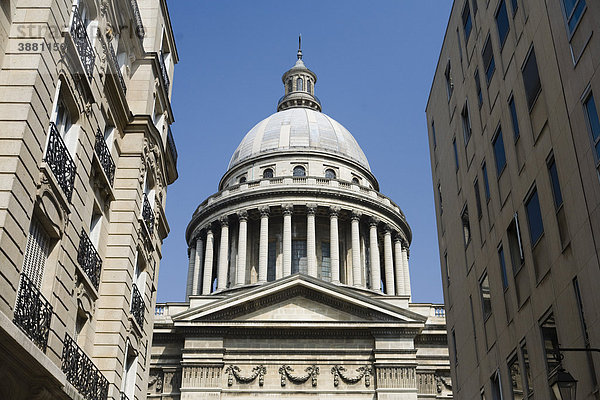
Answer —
302 299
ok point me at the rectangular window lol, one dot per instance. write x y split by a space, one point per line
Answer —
486 182
449 84
466 21
573 11
455 355
488 60
499 155
553 172
531 79
550 338
433 134
271 260
466 123
477 199
526 370
502 267
325 262
515 246
478 87
502 22
593 122
484 292
515 6
516 377
455 153
299 261
534 216
513 117
496 386
466 225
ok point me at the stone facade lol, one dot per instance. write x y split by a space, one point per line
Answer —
513 132
298 283
86 154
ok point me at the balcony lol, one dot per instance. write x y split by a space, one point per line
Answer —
89 260
106 160
33 313
163 70
137 306
115 65
82 42
82 373
171 146
139 27
60 162
148 214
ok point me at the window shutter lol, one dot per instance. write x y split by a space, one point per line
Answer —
36 253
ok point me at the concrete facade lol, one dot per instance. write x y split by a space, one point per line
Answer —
512 131
298 283
86 154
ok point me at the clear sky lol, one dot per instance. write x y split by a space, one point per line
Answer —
374 62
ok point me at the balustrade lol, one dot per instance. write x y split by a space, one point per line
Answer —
89 260
137 306
60 162
81 372
106 160
82 42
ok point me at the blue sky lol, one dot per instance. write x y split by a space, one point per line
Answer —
375 63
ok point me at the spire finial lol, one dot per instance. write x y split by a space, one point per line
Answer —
300 47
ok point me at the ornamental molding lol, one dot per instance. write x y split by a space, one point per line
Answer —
339 372
287 373
233 371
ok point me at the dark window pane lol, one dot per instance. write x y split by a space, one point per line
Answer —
478 87
527 370
592 114
550 338
325 262
496 393
433 134
534 217
484 291
516 378
474 7
466 123
555 184
454 347
515 6
499 154
448 75
477 198
330 174
488 60
466 20
268 173
502 22
455 153
486 182
271 260
503 267
573 11
513 116
299 171
531 79
466 226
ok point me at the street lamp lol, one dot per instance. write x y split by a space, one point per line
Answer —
563 385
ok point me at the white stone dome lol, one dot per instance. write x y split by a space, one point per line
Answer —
300 129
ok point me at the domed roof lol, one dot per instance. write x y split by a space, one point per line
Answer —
299 129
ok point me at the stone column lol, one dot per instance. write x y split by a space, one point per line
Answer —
198 267
356 269
311 245
191 273
388 262
399 266
374 251
223 255
263 244
406 271
287 239
334 250
240 276
208 263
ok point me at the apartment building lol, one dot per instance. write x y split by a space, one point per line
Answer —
86 154
514 140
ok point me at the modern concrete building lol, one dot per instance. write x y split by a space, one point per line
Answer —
86 154
298 283
513 133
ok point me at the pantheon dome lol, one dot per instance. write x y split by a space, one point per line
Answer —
298 279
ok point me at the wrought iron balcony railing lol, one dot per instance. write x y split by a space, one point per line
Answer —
60 162
82 42
89 260
148 214
106 160
115 63
139 27
124 396
171 145
163 69
137 306
33 313
82 373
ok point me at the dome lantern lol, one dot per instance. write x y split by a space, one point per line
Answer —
299 84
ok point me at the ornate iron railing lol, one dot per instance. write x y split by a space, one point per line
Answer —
82 373
60 162
137 306
82 42
139 26
33 313
171 145
163 69
115 63
89 260
148 214
106 160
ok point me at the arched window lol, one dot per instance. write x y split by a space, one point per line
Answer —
309 86
299 84
289 85
355 180
268 173
330 174
299 171
242 179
